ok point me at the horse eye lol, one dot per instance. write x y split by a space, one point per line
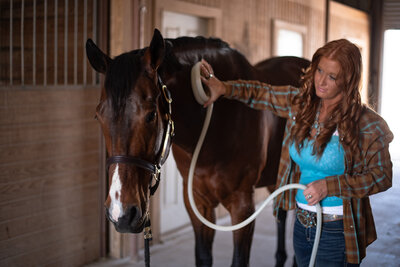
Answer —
151 116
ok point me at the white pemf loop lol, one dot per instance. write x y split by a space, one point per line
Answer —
197 87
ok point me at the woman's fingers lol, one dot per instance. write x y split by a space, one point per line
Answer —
206 69
215 86
316 191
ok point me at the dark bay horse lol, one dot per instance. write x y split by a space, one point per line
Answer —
241 149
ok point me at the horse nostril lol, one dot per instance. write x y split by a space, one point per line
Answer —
134 214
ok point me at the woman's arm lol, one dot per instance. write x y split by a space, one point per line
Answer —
255 94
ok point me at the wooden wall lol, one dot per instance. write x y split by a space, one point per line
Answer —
49 141
49 189
352 24
247 25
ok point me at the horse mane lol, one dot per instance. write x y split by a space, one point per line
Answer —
193 49
180 53
184 52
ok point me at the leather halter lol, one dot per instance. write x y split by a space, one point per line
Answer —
153 168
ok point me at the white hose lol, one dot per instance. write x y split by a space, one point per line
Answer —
201 97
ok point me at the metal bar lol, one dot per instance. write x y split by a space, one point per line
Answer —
327 14
50 86
94 28
45 44
55 41
142 15
76 42
34 44
66 42
22 42
84 40
11 43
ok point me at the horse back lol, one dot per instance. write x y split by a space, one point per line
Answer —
278 71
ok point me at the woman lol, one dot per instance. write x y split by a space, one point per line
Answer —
333 143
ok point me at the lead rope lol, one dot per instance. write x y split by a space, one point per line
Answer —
147 238
147 234
201 97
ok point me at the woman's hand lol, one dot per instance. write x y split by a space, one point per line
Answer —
316 191
216 87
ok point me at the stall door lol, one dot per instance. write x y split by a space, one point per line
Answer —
173 211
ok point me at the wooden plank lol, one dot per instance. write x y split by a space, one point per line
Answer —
45 167
40 186
50 149
78 256
38 114
34 205
41 247
72 252
47 97
40 105
21 134
25 226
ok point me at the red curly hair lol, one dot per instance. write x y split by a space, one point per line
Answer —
346 114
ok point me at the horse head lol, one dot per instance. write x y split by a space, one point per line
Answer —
135 116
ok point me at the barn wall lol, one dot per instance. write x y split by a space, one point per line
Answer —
352 24
49 157
49 140
247 25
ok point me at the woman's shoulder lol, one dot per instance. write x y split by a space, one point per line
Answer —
372 123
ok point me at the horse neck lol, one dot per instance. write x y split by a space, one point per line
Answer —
187 113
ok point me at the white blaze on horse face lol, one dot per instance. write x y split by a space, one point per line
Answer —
115 195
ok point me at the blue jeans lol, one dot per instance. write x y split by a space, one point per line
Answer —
331 249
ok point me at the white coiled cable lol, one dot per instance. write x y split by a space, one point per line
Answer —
201 98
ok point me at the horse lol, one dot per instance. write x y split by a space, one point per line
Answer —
147 98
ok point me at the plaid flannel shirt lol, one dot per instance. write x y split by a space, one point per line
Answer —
365 174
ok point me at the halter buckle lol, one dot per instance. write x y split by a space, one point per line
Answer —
171 122
166 94
147 233
156 173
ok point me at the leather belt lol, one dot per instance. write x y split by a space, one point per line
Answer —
309 218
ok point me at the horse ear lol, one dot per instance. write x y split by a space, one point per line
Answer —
154 54
96 57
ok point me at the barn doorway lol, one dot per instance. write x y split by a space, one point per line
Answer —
389 107
171 193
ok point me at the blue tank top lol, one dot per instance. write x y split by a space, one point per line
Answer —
313 168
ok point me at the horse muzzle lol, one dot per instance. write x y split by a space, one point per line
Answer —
131 220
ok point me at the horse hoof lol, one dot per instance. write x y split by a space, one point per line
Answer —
280 260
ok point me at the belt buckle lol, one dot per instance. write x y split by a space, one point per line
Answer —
306 218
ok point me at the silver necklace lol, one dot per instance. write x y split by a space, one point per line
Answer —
317 125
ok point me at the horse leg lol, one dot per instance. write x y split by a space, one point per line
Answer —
240 209
204 236
280 255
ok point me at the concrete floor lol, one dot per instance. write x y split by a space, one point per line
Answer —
178 250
